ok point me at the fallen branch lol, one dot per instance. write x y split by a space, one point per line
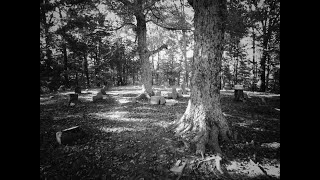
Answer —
261 168
217 161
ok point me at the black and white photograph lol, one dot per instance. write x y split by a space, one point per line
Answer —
159 89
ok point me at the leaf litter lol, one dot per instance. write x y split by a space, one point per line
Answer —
135 143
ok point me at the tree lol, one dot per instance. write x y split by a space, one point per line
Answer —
139 10
203 122
265 18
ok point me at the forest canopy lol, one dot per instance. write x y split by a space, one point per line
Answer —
90 43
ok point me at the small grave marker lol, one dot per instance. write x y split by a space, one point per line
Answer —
70 135
238 93
73 98
97 97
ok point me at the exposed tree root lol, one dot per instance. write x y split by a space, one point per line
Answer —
198 129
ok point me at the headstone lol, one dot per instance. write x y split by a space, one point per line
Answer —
73 98
174 93
171 102
162 100
155 99
77 90
97 97
169 95
70 135
157 93
183 88
133 100
103 91
238 93
180 93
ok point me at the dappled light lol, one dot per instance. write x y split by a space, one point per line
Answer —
121 129
135 131
109 115
150 89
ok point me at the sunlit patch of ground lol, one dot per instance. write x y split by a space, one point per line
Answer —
130 140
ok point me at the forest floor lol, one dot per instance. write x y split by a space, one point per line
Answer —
128 140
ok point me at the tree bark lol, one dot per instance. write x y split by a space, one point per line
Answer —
203 122
266 38
85 69
185 58
184 38
65 58
268 72
146 75
253 60
77 79
236 71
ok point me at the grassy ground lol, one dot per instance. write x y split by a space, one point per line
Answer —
128 140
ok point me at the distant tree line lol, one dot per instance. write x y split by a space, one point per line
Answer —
79 47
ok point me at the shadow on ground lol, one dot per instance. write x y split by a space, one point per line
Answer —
128 140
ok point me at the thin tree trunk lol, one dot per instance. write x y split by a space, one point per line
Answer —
266 37
157 73
133 74
203 122
236 70
152 69
48 36
85 69
77 80
263 71
184 50
65 58
186 79
268 72
253 60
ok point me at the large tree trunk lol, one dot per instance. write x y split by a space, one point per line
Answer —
203 122
146 74
144 54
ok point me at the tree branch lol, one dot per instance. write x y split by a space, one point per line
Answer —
124 24
126 2
148 6
190 2
171 28
149 53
